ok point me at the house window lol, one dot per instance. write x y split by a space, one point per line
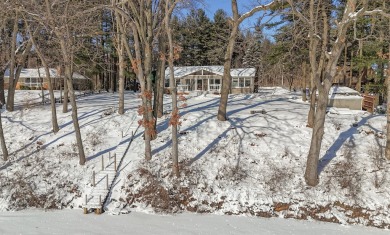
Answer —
247 82
235 82
241 82
32 82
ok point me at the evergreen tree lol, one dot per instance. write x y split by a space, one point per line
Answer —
219 38
195 38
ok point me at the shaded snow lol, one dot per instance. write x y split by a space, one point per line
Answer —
74 222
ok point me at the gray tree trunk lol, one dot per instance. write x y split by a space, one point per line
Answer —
11 80
2 96
227 80
387 150
66 96
175 111
304 74
311 173
2 142
72 97
312 107
54 122
67 58
121 108
160 83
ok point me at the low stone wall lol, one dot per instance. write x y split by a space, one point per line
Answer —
353 102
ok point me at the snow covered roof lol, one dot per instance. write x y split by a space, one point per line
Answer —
343 90
180 72
35 73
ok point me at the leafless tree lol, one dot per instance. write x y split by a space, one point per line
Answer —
235 23
120 49
324 67
40 54
69 22
141 18
174 122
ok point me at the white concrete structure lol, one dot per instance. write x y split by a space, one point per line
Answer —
345 97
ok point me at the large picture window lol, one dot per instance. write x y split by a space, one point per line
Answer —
241 82
32 82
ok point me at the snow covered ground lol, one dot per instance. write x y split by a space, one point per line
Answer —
250 165
74 222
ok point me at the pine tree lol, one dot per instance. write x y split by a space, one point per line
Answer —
219 38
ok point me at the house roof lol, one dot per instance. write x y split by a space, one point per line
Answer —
180 72
35 73
342 90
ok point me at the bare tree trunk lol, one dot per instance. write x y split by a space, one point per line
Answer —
54 122
145 95
11 89
41 83
350 71
2 142
312 107
68 80
121 109
304 98
66 96
119 48
326 68
160 83
227 80
361 74
387 150
51 92
175 112
68 76
11 79
311 173
2 96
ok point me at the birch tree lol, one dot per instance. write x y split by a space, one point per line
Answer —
235 21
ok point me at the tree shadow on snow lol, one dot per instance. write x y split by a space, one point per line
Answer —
223 135
344 136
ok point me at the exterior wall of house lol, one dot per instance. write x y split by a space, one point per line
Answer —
78 84
353 103
244 90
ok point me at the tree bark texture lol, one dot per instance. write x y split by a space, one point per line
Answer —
227 80
122 65
2 142
175 112
11 80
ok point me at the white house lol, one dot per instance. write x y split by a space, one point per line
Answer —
35 78
209 78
